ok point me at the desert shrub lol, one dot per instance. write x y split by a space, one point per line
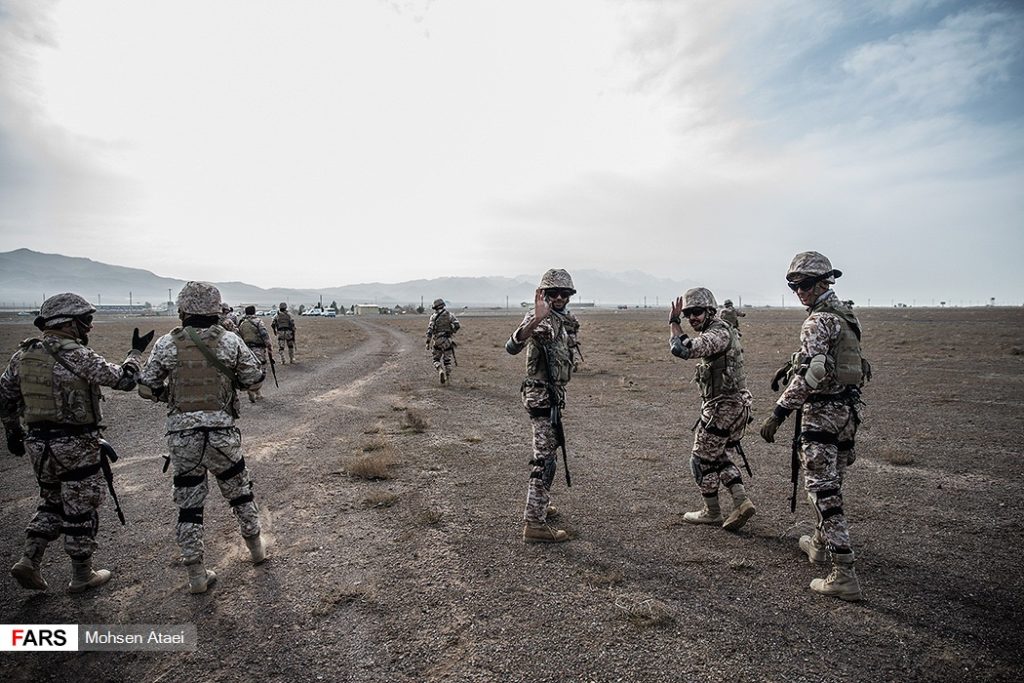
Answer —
370 466
414 421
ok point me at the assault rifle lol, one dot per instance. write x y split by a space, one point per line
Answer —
794 462
273 368
556 411
107 456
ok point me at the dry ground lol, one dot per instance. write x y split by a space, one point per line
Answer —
393 506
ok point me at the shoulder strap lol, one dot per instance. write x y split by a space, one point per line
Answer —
57 357
214 361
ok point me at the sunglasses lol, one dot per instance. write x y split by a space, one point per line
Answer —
804 285
86 319
558 293
694 312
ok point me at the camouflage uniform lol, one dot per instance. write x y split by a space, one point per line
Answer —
201 432
440 332
54 384
730 314
552 333
283 326
254 333
823 382
724 414
228 319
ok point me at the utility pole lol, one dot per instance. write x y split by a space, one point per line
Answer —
130 304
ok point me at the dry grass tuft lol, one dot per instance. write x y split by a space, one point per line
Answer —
375 445
380 499
427 516
645 612
896 457
473 438
415 421
370 466
344 593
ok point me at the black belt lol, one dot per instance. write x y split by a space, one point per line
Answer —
255 346
47 431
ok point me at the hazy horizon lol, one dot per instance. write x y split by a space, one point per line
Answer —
330 143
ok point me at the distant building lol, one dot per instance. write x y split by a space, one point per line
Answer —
367 309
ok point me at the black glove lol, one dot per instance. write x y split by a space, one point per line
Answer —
771 424
140 343
15 440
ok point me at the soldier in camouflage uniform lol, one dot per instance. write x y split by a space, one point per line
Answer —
725 407
440 330
730 314
254 333
544 332
823 382
53 384
228 320
283 326
196 369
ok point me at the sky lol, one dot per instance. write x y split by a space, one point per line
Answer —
321 143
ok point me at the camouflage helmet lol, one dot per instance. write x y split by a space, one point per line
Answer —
224 308
62 308
438 303
699 297
727 302
199 298
811 264
556 278
283 306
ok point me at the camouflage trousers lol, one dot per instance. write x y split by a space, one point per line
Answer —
286 338
71 489
716 440
193 454
545 452
826 448
443 357
262 354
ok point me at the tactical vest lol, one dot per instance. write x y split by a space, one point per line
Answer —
561 361
729 316
846 356
195 383
722 373
73 403
249 332
443 324
284 321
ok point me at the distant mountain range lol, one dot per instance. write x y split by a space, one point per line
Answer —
26 275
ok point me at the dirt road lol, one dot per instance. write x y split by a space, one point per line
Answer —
421 575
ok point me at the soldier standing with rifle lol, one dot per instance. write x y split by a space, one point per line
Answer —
725 407
440 330
823 386
283 326
254 333
53 384
544 332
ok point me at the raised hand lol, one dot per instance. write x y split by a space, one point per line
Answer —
140 343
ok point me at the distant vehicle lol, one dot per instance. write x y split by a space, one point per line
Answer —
312 311
329 314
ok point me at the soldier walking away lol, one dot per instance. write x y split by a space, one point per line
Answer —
730 314
725 406
228 320
823 386
283 326
440 332
53 385
197 369
254 333
544 332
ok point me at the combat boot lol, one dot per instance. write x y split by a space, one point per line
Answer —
83 577
291 356
842 582
199 577
739 516
26 570
551 512
711 514
442 375
816 551
252 397
539 532
257 548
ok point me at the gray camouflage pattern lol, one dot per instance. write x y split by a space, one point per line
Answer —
731 316
545 448
199 298
699 297
77 500
190 456
809 263
824 465
442 346
556 278
66 304
718 463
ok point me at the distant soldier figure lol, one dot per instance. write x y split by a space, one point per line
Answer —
228 320
283 326
544 332
196 369
254 333
725 406
730 314
440 330
823 385
53 384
